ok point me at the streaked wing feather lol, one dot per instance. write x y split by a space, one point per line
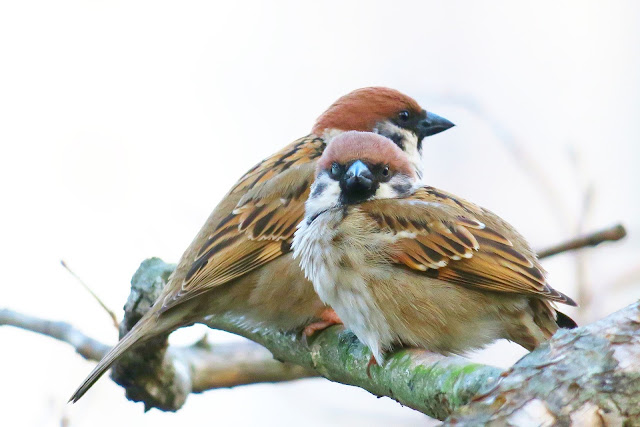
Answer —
261 226
299 152
455 241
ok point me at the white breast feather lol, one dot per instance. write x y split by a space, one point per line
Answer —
345 287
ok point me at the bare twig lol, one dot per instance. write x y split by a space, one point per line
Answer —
610 234
93 294
87 347
207 367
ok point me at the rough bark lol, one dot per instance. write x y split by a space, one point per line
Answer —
162 377
588 376
432 384
581 376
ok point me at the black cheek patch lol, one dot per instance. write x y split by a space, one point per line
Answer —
401 188
318 189
397 139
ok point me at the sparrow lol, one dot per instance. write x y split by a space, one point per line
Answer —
240 261
402 263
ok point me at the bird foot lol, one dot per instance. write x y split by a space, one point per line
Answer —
329 318
372 362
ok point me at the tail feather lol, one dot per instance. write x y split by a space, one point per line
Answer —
139 331
538 324
565 321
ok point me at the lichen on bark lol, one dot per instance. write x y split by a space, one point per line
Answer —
584 376
433 384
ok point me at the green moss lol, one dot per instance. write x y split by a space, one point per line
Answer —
435 389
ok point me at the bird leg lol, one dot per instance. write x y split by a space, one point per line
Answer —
329 318
372 362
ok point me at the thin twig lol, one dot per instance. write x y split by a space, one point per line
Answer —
87 347
93 294
610 234
207 366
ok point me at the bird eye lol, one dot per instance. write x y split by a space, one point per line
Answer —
404 115
335 169
385 171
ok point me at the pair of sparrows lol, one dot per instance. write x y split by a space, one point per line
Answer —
241 260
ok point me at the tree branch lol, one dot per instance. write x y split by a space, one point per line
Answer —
574 376
581 374
162 376
585 376
610 234
432 384
87 347
207 366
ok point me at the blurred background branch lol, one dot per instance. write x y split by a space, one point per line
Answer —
610 234
208 366
84 345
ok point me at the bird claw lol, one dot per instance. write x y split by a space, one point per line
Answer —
329 318
372 362
311 329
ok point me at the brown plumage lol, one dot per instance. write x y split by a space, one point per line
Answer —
416 266
240 260
490 253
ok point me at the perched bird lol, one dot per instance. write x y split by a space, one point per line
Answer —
240 260
402 263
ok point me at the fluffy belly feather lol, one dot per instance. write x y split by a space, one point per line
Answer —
384 304
336 264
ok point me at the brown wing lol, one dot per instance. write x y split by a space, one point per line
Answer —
458 242
261 226
299 152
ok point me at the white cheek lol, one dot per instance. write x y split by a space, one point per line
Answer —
389 190
327 198
410 141
385 191
411 148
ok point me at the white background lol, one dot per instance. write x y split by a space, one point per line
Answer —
122 123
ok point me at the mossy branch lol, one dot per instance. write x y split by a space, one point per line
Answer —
432 384
586 376
589 376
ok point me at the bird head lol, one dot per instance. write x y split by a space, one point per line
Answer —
360 166
386 112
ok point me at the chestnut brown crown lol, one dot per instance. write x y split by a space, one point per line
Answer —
368 147
363 108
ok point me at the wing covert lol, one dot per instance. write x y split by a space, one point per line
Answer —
456 241
261 226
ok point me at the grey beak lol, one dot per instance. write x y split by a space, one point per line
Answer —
433 124
358 177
